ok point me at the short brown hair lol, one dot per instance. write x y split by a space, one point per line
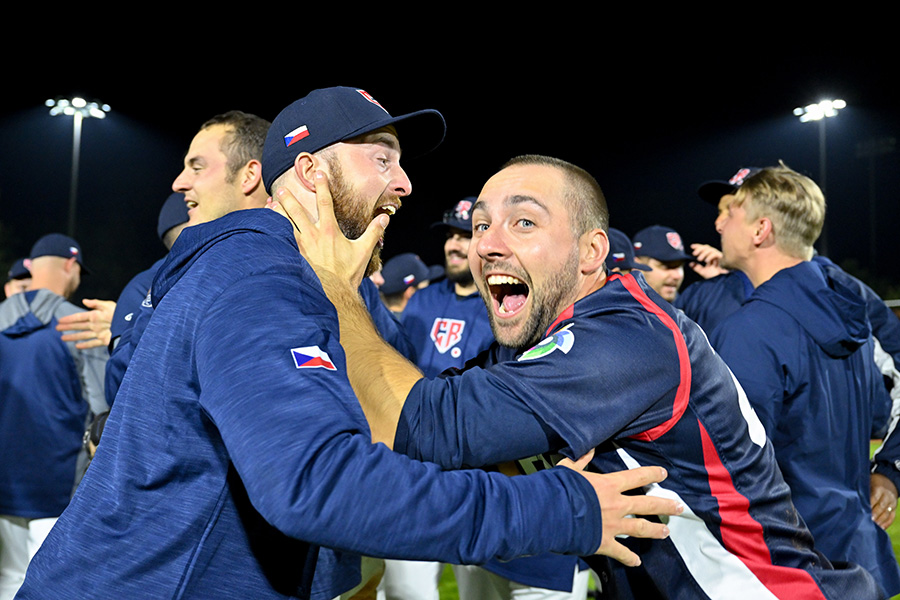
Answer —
583 193
247 135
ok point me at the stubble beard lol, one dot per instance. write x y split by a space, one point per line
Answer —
547 303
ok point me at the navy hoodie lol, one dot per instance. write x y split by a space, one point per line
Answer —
801 347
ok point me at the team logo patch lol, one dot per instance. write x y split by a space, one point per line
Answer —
674 240
463 209
369 97
561 340
446 333
295 136
312 357
739 177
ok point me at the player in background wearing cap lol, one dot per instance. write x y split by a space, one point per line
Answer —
402 276
49 391
621 254
236 447
758 310
558 385
18 278
447 323
660 248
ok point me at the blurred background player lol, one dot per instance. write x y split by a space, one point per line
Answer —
660 248
49 391
402 276
18 278
447 322
621 254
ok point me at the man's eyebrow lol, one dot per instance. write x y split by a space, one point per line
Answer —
514 200
382 137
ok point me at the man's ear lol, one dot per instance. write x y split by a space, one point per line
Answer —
70 264
251 177
594 249
763 231
305 165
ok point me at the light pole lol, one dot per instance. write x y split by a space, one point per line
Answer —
79 109
819 112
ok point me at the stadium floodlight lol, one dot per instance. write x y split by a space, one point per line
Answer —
820 110
79 109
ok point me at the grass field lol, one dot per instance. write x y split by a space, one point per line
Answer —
448 589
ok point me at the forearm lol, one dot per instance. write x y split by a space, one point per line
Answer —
381 377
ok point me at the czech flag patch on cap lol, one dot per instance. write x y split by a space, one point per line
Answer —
312 357
296 135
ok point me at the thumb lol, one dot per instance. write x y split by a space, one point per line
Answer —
578 465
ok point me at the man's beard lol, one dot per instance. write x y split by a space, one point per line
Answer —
460 275
351 213
547 303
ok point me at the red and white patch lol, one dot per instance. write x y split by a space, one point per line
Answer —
446 333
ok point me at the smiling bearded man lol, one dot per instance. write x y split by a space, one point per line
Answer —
619 373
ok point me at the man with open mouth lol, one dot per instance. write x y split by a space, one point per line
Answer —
588 362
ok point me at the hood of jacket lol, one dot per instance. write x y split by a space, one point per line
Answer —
29 311
833 314
194 241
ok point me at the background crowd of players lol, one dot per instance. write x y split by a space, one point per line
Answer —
46 446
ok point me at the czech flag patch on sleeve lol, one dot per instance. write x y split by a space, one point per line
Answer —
312 357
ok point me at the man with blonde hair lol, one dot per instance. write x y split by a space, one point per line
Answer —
801 346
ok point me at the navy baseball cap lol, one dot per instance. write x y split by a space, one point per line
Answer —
57 244
18 270
621 252
405 270
712 191
660 242
458 217
330 115
174 212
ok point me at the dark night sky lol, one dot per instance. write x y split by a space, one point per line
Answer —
650 118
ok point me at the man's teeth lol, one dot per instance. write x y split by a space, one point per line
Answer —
191 204
502 280
388 209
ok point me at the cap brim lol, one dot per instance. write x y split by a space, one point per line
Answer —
712 191
419 132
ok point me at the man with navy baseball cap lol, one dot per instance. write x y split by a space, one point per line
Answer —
18 278
49 389
621 253
403 275
234 458
660 248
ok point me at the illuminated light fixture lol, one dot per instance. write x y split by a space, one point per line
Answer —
79 109
80 106
819 111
